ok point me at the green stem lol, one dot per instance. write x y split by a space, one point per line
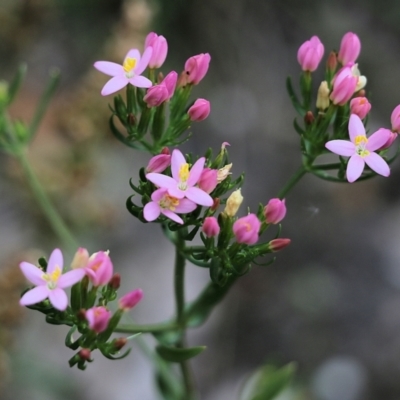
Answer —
150 328
45 204
292 181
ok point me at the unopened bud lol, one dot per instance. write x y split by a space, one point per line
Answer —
323 96
81 314
165 150
224 172
131 119
160 77
115 281
119 343
233 203
331 62
309 118
279 244
85 354
217 202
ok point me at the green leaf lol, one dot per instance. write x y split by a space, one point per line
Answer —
267 382
293 97
16 83
175 354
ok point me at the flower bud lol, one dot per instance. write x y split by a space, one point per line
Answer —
156 95
391 138
85 354
331 62
98 318
160 49
200 110
233 203
344 86
99 268
275 211
115 281
210 227
81 259
246 229
119 343
170 83
309 118
130 300
196 68
224 172
158 163
310 54
279 244
217 202
208 180
395 119
360 106
323 96
350 47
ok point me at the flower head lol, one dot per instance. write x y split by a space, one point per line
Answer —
233 203
344 86
100 268
395 119
350 47
210 227
160 48
130 300
246 229
98 318
50 284
196 68
361 149
129 72
310 54
208 180
275 211
200 110
159 163
360 106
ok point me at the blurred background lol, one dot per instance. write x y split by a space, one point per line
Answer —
331 301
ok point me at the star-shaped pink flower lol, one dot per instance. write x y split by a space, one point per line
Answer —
361 149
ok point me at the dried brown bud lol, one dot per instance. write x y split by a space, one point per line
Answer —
115 281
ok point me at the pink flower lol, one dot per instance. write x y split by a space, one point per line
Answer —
310 54
183 181
210 227
159 163
49 284
344 85
130 300
160 49
100 268
165 204
246 229
129 72
98 318
156 95
392 138
196 68
279 244
170 83
395 119
275 211
350 47
361 149
360 106
208 180
200 110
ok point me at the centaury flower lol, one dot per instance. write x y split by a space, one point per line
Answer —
129 72
361 149
50 284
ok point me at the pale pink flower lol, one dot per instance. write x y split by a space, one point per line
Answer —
156 95
361 149
98 318
210 227
246 229
170 83
158 163
49 284
129 72
350 47
310 54
100 268
279 244
275 211
196 68
164 203
360 106
208 180
200 110
344 85
130 300
395 119
160 48
183 181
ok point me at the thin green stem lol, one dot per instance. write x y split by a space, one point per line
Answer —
292 181
149 328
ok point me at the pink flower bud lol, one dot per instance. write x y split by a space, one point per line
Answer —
279 244
208 180
200 110
344 85
99 269
160 49
130 299
360 106
158 163
98 318
395 119
85 354
81 259
156 95
196 68
392 137
210 227
310 54
350 47
246 229
275 211
170 83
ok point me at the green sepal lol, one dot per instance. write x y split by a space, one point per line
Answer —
123 139
120 109
298 128
293 97
144 121
76 304
190 236
158 123
112 357
176 354
135 188
68 339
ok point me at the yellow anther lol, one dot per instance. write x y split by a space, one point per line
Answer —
169 202
360 140
129 64
184 172
52 278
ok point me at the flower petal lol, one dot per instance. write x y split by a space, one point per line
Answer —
195 171
70 278
114 84
199 196
151 211
185 206
55 260
158 194
58 298
35 295
133 53
341 147
144 61
176 192
32 273
355 168
109 68
378 139
171 215
377 164
140 81
177 159
161 180
356 127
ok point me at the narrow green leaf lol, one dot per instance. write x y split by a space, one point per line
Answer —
175 354
293 97
16 83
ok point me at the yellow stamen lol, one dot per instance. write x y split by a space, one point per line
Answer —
52 278
184 172
129 64
360 140
169 202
